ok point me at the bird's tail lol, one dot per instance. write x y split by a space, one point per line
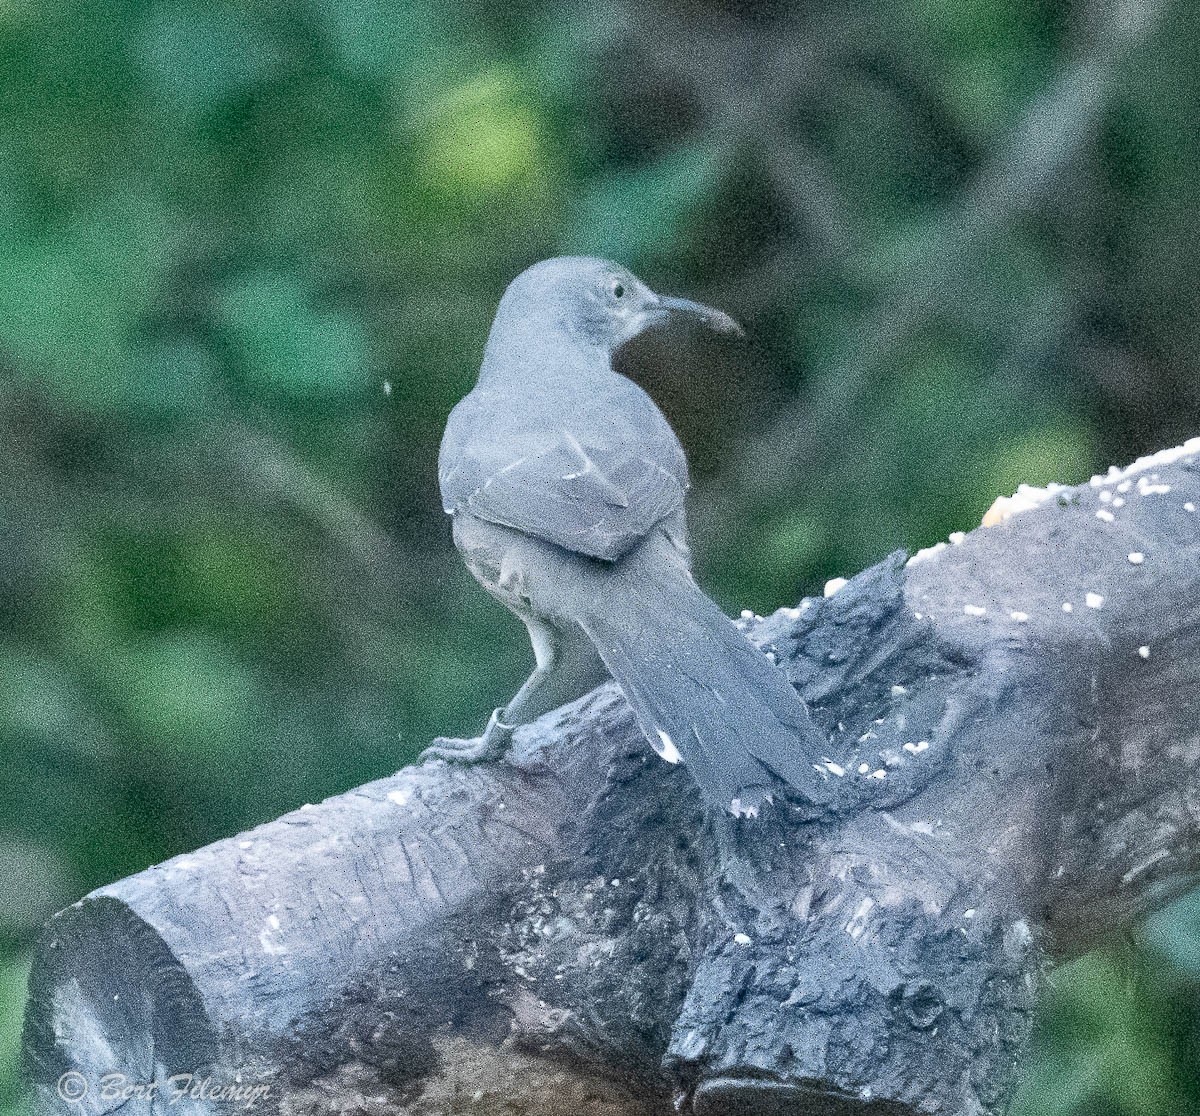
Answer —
701 691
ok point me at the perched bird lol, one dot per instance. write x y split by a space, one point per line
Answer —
566 487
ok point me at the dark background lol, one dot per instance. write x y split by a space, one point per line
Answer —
961 233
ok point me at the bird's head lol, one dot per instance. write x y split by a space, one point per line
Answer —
597 302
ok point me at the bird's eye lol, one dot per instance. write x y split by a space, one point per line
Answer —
618 289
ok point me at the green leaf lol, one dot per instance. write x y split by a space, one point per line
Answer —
172 377
387 39
14 976
1063 453
291 344
196 57
72 302
188 694
634 214
1174 934
39 705
483 137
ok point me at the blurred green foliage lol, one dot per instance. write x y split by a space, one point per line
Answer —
961 233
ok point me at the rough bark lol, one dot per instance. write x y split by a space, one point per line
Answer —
569 932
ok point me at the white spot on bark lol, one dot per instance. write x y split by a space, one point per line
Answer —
1024 499
742 939
1145 488
1106 515
399 797
916 748
1020 932
1144 651
1020 617
926 554
666 748
1094 600
1068 607
858 922
744 810
1143 464
974 610
833 585
265 940
1149 862
1136 557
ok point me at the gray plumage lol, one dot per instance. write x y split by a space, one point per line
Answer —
566 487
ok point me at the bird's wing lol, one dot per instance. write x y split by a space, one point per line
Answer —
594 487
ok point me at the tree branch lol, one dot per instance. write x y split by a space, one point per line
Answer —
1058 123
567 931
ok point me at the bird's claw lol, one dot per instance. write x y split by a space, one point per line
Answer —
491 746
455 750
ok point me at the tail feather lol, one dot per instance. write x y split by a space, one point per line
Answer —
702 692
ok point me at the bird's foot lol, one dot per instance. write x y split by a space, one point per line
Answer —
493 745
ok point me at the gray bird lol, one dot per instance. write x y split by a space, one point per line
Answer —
566 487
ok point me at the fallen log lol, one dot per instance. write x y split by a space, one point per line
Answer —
1014 734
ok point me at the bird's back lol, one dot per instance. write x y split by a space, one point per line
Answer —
589 463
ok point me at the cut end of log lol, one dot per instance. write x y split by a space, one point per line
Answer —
110 1008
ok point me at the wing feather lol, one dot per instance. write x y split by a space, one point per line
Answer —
603 510
596 483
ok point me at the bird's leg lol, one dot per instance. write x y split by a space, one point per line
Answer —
492 745
567 668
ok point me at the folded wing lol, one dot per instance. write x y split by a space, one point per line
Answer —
595 485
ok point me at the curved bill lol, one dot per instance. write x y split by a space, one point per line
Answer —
714 319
